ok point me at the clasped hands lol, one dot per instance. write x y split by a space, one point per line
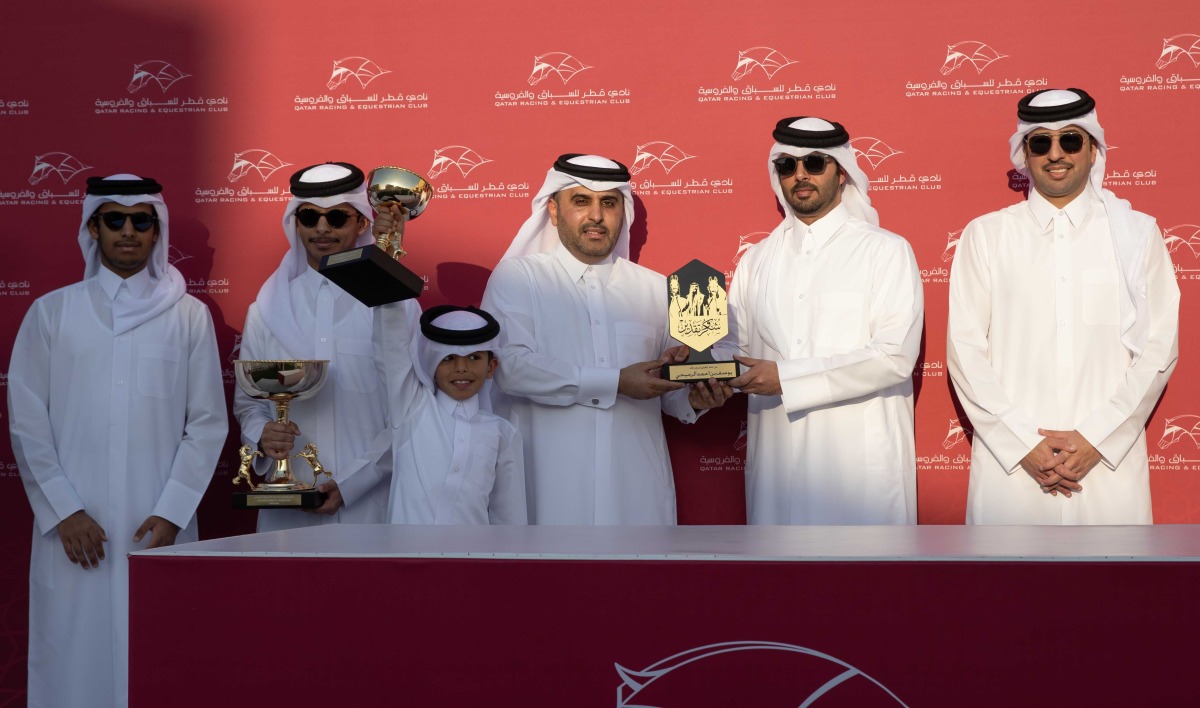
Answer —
1060 461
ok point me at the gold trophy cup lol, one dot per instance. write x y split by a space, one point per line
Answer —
281 381
372 273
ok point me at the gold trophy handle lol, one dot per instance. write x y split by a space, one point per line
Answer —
309 453
247 462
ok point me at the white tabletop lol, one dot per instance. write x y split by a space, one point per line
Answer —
716 543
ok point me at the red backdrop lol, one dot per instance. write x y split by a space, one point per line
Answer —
222 100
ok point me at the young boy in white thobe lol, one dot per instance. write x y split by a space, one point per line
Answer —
454 461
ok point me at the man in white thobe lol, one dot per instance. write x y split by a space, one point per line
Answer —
1063 331
300 314
117 414
583 336
827 311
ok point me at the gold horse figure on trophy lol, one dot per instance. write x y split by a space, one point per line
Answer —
309 453
247 461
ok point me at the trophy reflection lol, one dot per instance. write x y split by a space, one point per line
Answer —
372 273
281 381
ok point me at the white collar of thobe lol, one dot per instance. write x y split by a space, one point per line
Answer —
448 405
576 268
821 231
1129 250
138 283
1044 212
311 280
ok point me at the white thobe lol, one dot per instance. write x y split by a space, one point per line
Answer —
123 426
344 419
1034 341
455 463
838 306
566 330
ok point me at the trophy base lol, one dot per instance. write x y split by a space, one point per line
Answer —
371 276
702 371
283 499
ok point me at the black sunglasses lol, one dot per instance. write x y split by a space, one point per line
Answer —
115 220
1070 143
337 218
814 164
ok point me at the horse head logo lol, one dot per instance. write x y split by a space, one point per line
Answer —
664 153
1183 236
690 675
1181 426
1177 47
765 58
560 63
264 162
59 163
460 156
873 150
956 434
361 69
951 245
978 54
160 72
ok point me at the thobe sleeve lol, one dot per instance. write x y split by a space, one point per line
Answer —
897 311
391 339
51 495
524 370
374 465
1118 422
1008 432
205 426
369 469
506 503
677 405
251 413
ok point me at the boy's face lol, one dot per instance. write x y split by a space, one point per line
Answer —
462 376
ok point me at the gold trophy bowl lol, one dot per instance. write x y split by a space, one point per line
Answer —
372 273
281 381
388 184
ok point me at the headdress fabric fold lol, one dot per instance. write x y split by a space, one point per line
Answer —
450 329
599 174
129 190
316 185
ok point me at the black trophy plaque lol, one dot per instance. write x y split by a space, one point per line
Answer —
371 276
371 273
698 316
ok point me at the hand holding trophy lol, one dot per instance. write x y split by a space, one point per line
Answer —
372 273
281 382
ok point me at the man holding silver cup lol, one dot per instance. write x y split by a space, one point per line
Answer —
300 314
